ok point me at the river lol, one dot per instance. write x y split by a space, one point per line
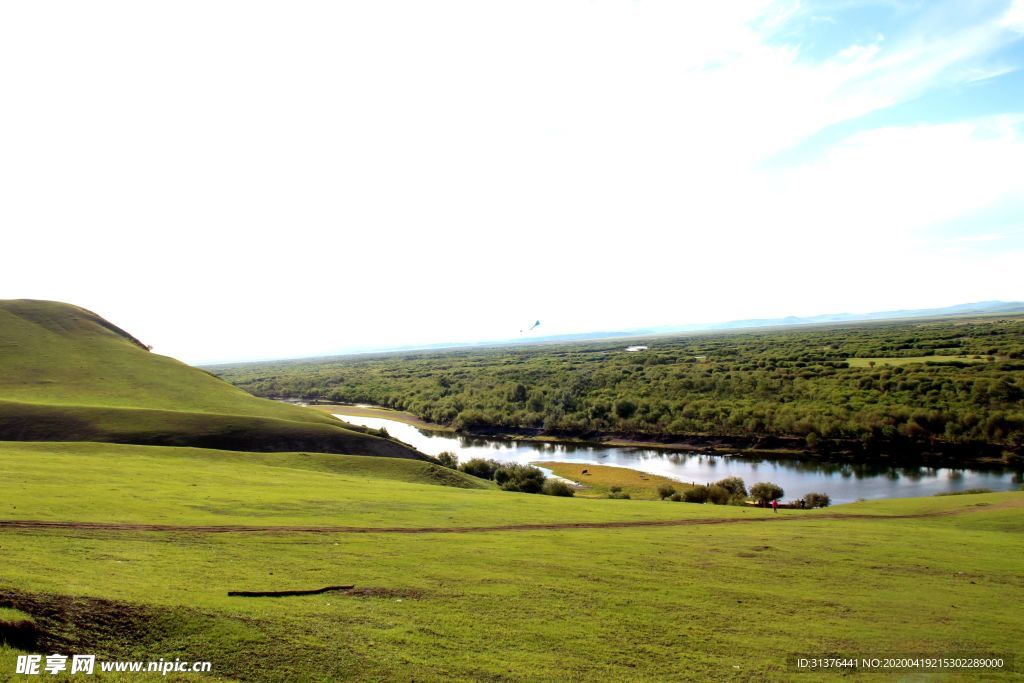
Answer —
843 482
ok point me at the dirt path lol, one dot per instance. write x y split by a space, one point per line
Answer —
242 528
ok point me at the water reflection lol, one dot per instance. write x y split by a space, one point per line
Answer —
843 482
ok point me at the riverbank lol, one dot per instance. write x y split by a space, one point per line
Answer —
909 454
383 413
716 445
842 481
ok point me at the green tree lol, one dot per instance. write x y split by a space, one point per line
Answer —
519 394
556 487
480 467
625 409
765 492
718 495
448 459
734 485
697 494
817 500
521 478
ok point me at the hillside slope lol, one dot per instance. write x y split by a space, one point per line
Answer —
67 374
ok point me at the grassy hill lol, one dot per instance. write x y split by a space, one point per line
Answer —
68 375
128 550
725 593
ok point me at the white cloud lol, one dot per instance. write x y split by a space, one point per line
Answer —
240 179
1013 19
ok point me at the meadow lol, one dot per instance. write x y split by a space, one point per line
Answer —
129 550
597 481
727 593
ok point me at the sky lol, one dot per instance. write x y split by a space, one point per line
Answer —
253 180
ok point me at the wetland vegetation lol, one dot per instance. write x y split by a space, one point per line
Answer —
949 389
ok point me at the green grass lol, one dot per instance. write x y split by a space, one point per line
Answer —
59 354
12 615
966 492
721 602
732 596
141 484
68 375
599 479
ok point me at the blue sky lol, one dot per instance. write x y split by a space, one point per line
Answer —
985 83
236 180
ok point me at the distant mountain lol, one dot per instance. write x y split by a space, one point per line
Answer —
978 308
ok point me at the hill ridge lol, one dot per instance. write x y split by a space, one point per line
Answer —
66 374
89 315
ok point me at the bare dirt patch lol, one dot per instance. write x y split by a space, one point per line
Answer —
62 623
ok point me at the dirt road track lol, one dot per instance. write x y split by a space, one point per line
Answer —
16 524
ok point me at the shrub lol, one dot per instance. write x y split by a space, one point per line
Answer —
480 467
521 478
666 491
625 409
675 497
698 494
519 394
468 419
618 494
764 492
556 487
817 500
448 459
734 485
718 495
615 489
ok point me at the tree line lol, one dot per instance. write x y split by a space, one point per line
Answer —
947 381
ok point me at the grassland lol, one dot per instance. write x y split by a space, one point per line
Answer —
726 601
8 614
598 480
940 391
128 550
68 375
